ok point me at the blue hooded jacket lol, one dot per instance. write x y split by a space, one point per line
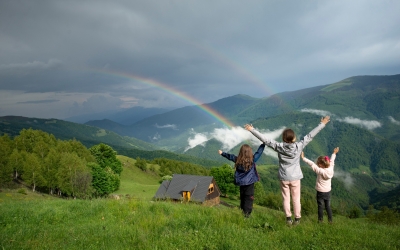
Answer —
242 177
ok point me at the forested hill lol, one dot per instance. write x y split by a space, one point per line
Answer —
88 135
361 149
365 97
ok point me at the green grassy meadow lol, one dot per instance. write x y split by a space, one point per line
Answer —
135 182
39 221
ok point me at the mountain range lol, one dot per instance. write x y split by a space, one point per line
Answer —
362 100
365 124
125 116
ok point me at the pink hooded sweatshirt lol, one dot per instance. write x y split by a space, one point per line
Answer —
324 175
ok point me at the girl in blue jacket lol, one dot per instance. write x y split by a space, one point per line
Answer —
245 174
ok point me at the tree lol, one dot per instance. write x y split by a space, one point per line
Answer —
224 177
141 163
73 176
32 171
113 178
34 141
16 162
106 173
79 149
50 169
101 181
166 178
106 157
6 171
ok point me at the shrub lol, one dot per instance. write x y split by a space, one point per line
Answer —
141 164
355 212
386 216
271 200
22 191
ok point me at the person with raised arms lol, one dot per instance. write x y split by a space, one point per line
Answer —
245 174
324 168
289 174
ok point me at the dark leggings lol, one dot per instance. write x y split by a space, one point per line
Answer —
247 198
324 199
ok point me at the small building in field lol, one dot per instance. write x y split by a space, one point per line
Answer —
195 188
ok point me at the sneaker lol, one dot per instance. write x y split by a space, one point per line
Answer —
289 221
297 221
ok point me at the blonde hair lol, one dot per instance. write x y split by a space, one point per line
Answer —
245 157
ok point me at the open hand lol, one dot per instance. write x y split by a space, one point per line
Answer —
325 119
336 150
248 127
219 151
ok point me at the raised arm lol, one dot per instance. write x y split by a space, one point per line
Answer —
308 161
324 172
257 134
333 157
259 152
310 136
230 157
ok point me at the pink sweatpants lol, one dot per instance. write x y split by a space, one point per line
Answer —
291 188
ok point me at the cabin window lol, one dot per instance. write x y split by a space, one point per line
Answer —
211 188
186 196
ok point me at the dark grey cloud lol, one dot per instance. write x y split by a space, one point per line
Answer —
38 102
82 51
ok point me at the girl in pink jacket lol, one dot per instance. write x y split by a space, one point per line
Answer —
324 170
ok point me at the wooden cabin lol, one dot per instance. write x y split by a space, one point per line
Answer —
190 188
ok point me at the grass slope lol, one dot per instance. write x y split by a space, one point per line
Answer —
39 221
135 182
31 223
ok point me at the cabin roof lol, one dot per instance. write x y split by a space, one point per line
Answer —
196 184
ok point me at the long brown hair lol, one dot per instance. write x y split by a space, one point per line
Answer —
245 157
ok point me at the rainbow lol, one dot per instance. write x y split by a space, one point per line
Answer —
233 64
236 67
184 96
222 58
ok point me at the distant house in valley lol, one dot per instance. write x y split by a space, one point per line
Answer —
195 188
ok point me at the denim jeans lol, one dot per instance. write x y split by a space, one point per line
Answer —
324 199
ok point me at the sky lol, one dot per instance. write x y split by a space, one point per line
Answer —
64 58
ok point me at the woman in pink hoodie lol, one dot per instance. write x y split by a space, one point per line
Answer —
324 170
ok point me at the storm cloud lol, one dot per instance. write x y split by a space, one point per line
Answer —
144 52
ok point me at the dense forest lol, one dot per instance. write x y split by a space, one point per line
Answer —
65 168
